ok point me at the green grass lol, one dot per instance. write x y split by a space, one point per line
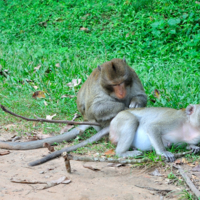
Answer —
159 38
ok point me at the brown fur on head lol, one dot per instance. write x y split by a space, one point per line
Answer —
115 72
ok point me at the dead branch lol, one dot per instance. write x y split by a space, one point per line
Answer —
119 160
67 161
153 189
188 181
55 154
47 120
39 143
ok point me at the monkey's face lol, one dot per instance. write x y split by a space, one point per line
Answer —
115 78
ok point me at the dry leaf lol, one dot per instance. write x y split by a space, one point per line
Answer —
110 152
37 68
57 64
35 87
63 180
74 82
38 94
156 93
49 147
66 128
76 116
84 29
45 103
65 96
50 117
115 165
178 162
197 2
2 153
92 168
155 173
196 169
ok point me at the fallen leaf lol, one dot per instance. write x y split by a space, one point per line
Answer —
63 180
37 68
45 103
92 168
66 128
65 96
35 87
110 152
178 162
76 116
155 173
49 147
57 64
2 153
74 82
115 165
156 93
59 20
50 117
196 169
38 94
84 29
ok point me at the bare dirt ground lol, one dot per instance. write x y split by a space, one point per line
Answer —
110 183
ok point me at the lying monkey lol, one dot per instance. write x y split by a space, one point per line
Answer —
144 128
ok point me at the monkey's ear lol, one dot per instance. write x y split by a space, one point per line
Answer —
99 67
124 59
190 109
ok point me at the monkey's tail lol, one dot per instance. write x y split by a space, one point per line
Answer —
55 154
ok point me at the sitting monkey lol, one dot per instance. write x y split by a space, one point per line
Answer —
144 128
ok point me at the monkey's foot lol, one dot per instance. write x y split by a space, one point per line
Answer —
131 154
169 156
194 148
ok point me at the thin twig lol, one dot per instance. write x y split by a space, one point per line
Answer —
119 160
47 120
188 181
153 189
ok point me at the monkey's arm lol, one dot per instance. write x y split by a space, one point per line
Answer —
138 101
55 154
105 110
139 98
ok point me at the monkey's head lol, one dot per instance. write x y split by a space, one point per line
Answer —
193 111
115 77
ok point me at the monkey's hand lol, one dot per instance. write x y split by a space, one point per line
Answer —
169 156
134 104
194 148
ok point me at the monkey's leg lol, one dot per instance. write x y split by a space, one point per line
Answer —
123 129
55 154
157 143
39 143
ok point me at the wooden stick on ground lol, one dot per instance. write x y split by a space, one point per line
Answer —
188 181
118 160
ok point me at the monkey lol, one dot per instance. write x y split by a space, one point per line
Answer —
111 88
147 128
144 129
